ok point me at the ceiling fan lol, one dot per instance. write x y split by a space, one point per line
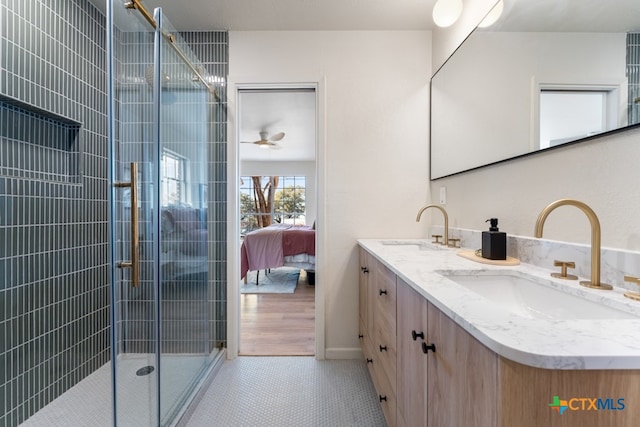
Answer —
265 141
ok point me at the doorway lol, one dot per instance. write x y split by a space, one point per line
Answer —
277 140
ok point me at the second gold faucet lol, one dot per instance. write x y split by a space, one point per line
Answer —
595 237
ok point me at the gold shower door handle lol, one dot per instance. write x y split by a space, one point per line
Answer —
134 263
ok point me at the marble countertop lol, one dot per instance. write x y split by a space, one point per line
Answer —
541 343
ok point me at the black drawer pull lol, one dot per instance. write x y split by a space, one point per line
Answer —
364 269
415 335
383 291
360 336
426 348
383 348
382 398
369 360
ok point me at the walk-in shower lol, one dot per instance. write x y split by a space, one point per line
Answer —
160 111
112 213
161 123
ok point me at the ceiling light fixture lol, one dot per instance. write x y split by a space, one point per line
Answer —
493 15
447 12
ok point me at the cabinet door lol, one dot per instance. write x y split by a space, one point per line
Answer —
411 372
384 319
364 293
382 291
462 383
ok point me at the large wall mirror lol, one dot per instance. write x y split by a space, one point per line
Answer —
547 73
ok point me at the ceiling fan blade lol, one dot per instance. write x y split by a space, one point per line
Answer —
277 137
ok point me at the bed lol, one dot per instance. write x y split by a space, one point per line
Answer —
278 245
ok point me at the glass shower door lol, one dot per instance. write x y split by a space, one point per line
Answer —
184 334
162 343
133 163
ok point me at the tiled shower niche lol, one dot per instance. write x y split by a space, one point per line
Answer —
37 144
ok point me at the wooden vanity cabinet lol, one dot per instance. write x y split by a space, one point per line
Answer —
417 388
378 329
366 307
462 375
453 385
384 339
462 382
412 378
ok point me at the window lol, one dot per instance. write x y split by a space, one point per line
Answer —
568 114
289 202
266 200
173 183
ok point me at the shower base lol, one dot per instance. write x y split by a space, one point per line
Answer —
89 403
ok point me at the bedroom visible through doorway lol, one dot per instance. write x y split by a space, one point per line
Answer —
278 205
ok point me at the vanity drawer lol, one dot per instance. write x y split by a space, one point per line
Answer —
385 299
385 351
365 342
387 397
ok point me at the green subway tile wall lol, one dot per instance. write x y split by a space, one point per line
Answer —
54 291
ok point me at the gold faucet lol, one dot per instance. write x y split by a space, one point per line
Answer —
446 220
595 238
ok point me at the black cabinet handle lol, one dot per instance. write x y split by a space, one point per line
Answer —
415 335
369 360
383 348
426 348
382 398
383 291
360 336
364 269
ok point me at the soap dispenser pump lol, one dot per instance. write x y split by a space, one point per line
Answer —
494 242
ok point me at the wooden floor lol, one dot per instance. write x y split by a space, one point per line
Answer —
279 324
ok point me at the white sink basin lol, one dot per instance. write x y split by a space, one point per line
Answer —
416 245
530 297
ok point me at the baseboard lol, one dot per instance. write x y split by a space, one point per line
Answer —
343 353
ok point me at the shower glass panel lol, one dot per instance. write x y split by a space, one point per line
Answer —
182 195
131 157
163 332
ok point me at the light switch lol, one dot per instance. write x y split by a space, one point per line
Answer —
443 195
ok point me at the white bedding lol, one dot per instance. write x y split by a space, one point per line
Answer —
304 261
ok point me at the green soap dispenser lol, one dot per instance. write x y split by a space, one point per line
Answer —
494 242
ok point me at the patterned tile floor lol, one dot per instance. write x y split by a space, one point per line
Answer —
292 391
289 391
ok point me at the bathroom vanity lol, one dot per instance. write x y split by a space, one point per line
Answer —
443 353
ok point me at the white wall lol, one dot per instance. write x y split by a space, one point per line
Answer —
603 173
373 149
306 169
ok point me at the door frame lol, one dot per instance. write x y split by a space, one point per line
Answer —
233 211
